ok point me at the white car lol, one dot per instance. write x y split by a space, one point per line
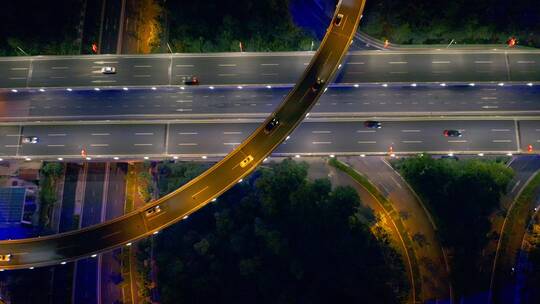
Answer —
30 140
108 70
5 257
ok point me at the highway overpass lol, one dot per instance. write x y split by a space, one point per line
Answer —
191 140
395 100
240 162
269 68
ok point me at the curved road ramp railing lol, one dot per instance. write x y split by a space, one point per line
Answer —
60 248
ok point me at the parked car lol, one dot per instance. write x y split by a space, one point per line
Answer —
372 124
108 70
30 140
452 133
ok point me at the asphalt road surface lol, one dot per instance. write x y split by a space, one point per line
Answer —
212 183
267 68
312 137
395 100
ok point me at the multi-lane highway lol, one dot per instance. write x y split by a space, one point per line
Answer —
201 190
268 68
189 140
365 100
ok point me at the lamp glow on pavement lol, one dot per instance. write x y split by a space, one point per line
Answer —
154 88
384 85
332 156
265 160
155 232
2 270
297 156
268 86
443 84
450 154
31 268
185 217
1 159
288 137
69 89
472 84
116 158
42 90
211 87
530 84
413 85
204 157
96 89
240 87
480 154
128 244
501 84
88 158
392 155
60 158
182 88
240 180
93 255
175 157
27 159
63 263
356 85
509 154
146 157
362 155
125 89
214 199
14 91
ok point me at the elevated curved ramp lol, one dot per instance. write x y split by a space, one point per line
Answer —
55 249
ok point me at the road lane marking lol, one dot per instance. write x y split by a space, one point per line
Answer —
269 74
232 133
501 141
12 146
188 144
56 134
355 63
366 142
489 98
399 72
103 81
100 134
184 101
56 145
321 132
321 142
441 72
104 62
500 130
410 131
490 107
184 65
365 131
142 66
398 62
144 134
184 110
13 135
228 65
269 64
412 141
143 144
227 75
140 76
99 145
526 62
483 62
188 133
440 62
457 141
19 69
60 68
57 77
231 143
17 78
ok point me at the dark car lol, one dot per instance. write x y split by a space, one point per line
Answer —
452 133
271 125
450 157
372 124
192 80
317 85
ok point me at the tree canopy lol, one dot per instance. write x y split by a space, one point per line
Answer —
279 238
461 195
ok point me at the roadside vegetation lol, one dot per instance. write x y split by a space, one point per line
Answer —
37 27
460 195
279 238
50 174
220 26
465 21
532 271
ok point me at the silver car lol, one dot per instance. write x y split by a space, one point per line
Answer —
30 140
108 70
